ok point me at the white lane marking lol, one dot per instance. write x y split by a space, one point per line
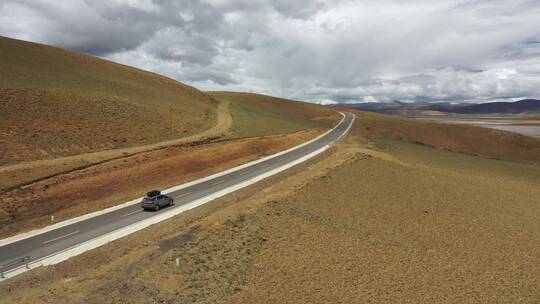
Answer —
244 173
218 182
26 235
61 237
128 214
65 254
183 194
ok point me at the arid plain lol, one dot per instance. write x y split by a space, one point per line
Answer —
375 219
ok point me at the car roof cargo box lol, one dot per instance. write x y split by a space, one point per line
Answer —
153 193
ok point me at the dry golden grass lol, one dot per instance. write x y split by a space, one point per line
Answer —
106 184
57 103
380 231
64 111
384 222
26 173
484 142
215 242
377 219
260 115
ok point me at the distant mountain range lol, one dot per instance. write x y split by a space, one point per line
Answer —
397 107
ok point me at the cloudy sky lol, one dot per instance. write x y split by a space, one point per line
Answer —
320 51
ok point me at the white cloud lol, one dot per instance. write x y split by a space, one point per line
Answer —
326 102
322 51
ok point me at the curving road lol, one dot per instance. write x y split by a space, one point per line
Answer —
25 253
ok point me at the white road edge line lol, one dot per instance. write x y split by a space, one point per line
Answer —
65 254
32 233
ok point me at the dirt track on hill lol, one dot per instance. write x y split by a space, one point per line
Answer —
365 222
22 173
212 269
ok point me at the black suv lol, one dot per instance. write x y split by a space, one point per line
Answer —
155 200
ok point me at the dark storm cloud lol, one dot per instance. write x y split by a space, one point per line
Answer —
82 26
323 51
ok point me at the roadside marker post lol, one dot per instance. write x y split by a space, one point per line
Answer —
26 259
65 254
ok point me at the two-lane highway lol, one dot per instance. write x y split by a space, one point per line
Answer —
15 255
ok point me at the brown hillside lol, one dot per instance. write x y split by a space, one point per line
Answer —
400 224
485 142
259 115
56 103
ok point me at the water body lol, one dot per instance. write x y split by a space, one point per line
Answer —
530 130
523 129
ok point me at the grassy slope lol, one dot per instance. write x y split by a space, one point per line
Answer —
397 222
56 102
59 103
260 115
454 137
419 232
394 223
110 183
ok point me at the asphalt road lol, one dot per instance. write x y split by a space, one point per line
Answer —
48 243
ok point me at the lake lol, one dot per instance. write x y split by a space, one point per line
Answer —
515 126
